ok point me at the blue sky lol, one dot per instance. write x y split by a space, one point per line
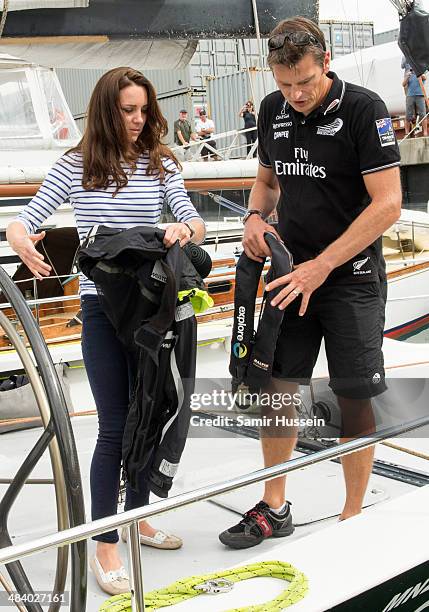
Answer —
381 12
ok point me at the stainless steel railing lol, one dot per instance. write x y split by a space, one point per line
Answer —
228 146
131 517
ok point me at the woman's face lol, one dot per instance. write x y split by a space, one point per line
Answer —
133 105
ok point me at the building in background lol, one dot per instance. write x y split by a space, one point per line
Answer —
385 37
221 76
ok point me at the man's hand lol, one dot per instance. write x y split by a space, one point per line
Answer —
304 279
254 243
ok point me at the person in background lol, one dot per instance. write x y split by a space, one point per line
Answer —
183 133
247 112
118 175
415 104
205 127
329 163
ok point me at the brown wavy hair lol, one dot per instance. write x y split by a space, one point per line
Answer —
105 142
290 54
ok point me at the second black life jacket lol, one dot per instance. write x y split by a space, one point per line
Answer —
252 353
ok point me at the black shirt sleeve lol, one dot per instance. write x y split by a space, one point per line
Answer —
263 125
375 138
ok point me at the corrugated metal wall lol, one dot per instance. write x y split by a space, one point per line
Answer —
227 94
384 37
77 87
344 37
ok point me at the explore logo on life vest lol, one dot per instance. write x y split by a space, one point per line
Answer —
241 323
239 350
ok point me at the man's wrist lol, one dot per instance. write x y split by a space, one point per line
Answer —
326 262
252 212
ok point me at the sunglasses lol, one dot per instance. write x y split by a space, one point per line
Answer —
299 39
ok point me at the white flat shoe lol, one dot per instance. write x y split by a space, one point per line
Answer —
115 582
159 540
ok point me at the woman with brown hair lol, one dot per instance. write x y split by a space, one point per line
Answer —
118 175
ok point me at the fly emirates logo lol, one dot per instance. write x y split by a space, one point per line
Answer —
299 167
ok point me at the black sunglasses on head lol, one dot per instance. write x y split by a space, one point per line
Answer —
299 39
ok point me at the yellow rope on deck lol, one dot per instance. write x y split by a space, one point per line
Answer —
187 588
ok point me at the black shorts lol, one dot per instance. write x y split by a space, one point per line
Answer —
350 318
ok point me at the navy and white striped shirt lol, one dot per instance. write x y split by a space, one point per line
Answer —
140 202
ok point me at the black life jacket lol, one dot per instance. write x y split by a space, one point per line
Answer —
252 353
137 280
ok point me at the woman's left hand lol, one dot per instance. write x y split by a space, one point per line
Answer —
176 231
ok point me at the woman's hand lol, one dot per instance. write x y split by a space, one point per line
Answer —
25 247
177 231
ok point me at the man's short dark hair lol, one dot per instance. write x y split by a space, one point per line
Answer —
184 111
290 54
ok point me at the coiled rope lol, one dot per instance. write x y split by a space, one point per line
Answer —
185 588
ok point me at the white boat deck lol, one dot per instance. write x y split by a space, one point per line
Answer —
316 493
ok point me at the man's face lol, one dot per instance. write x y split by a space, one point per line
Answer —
203 118
183 116
305 85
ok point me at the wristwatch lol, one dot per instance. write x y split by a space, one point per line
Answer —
251 211
191 229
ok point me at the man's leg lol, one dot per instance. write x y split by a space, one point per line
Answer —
357 420
270 517
409 113
278 442
295 355
421 111
353 318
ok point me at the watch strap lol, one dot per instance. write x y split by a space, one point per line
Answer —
250 212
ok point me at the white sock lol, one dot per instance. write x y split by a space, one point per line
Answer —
280 510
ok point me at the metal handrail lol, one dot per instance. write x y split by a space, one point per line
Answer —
130 518
225 152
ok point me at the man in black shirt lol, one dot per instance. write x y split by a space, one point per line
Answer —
328 159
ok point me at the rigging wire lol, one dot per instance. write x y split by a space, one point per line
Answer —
358 68
258 37
256 102
4 16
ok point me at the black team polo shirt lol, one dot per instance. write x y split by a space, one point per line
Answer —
320 161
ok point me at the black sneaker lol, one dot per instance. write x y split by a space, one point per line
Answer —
258 524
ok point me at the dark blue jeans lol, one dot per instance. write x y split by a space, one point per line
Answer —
109 370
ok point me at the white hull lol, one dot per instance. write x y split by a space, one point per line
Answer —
379 69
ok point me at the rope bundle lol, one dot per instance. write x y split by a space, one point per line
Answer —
185 588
